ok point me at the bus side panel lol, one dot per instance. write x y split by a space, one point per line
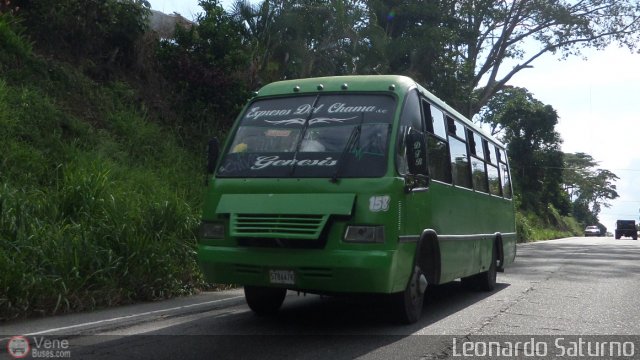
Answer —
404 266
465 222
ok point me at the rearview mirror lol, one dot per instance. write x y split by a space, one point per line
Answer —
416 150
416 153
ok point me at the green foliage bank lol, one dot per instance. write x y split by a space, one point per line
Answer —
557 194
98 205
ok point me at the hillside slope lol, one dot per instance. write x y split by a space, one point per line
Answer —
98 205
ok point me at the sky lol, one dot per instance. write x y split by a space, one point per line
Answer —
597 100
598 103
187 8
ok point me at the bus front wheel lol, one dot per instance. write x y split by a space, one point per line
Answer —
264 300
408 303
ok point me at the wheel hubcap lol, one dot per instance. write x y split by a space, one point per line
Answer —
422 282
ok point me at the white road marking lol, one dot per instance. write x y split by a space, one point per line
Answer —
127 317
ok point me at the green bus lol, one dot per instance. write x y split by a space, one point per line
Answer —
355 184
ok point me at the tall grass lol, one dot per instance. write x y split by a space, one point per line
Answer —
98 206
533 227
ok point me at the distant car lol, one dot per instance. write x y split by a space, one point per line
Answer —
592 231
626 228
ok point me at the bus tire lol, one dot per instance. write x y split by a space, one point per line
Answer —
407 305
264 300
484 281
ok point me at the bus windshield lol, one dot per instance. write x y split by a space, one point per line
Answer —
312 136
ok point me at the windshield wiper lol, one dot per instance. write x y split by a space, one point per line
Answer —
303 132
353 137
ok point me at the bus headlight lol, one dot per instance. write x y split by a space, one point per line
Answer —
211 230
364 234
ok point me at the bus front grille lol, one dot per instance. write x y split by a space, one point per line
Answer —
292 226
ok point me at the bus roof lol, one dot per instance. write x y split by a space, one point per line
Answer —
363 83
335 83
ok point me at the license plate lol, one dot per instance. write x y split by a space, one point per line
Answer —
287 277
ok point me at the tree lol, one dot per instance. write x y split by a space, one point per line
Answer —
95 33
468 50
524 30
294 39
204 63
527 126
590 188
415 39
465 51
258 37
578 166
322 37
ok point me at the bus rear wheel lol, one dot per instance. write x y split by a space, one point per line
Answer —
407 305
484 281
264 300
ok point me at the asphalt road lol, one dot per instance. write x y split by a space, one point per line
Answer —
561 289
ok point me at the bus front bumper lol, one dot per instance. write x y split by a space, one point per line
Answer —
330 271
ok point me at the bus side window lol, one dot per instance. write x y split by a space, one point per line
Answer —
478 170
438 155
456 128
489 152
493 175
460 167
411 117
477 145
495 188
428 116
434 120
437 149
505 179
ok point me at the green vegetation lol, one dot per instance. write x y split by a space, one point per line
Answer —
103 124
558 194
462 50
534 227
98 205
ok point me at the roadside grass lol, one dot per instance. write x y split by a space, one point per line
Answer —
98 206
531 227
